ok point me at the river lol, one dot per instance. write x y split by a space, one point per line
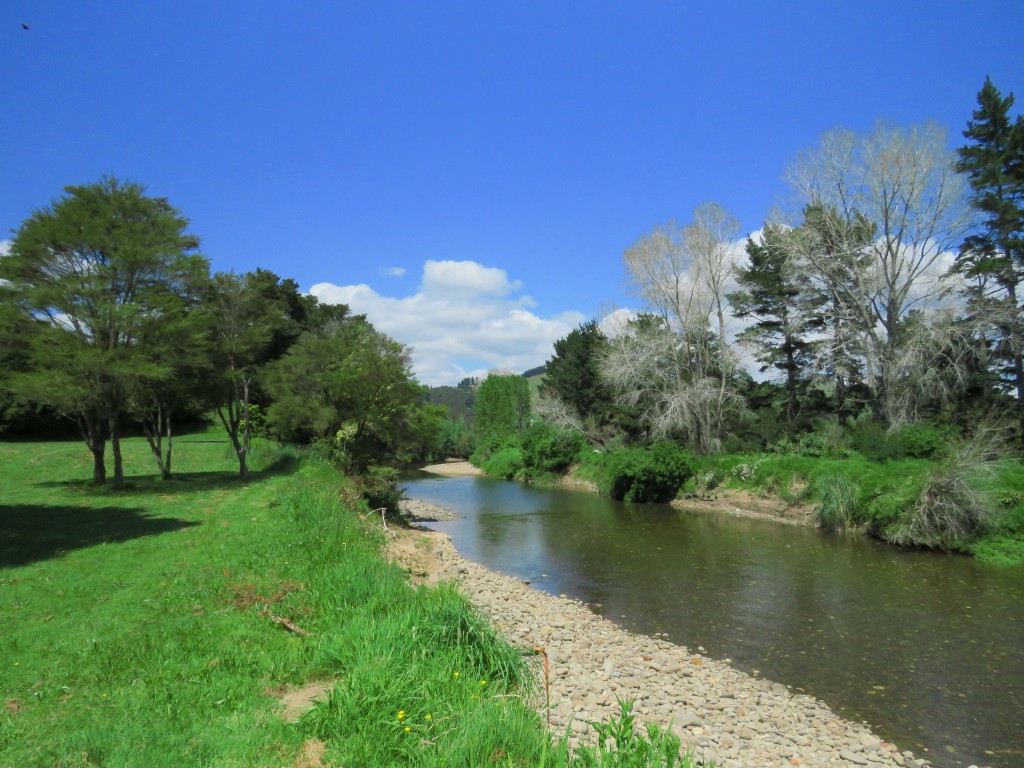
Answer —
928 649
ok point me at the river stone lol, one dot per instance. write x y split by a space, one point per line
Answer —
592 662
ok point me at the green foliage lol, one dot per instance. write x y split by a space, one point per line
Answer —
573 377
507 463
379 487
620 745
837 501
549 450
875 442
458 402
108 276
955 505
502 409
637 474
924 440
786 311
454 439
351 386
1000 549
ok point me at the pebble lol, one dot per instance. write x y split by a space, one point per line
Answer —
720 714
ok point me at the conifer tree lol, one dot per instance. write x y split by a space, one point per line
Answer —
993 253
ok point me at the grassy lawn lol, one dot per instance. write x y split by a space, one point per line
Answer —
128 634
159 625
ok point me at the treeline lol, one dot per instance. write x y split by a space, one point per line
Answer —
891 299
886 315
109 316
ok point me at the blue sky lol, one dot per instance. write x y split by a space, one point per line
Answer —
467 174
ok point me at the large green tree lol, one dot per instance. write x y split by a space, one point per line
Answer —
351 386
993 254
502 409
102 269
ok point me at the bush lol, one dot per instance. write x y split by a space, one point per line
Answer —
635 474
837 501
923 441
954 506
549 450
875 442
506 463
379 486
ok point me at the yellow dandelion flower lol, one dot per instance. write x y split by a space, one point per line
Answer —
455 674
407 729
483 682
428 717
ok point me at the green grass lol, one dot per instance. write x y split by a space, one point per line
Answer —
141 627
854 491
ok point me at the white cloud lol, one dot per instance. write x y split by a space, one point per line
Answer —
392 271
465 279
464 320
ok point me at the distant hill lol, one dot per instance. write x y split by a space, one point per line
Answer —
457 400
538 371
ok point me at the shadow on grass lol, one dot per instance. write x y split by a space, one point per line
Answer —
30 533
182 482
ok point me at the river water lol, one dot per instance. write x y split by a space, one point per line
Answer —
927 649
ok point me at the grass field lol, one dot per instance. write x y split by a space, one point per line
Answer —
159 626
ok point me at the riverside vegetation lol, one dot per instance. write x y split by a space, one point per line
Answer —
918 486
163 624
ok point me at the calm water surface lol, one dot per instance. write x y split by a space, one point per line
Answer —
927 649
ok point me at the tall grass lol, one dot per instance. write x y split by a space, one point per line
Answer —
837 502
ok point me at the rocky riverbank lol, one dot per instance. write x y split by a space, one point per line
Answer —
725 716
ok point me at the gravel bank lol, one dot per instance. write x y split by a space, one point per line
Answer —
722 714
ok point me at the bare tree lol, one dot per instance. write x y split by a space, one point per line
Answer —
901 182
678 373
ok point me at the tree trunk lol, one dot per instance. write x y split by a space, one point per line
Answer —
243 449
166 474
99 466
91 430
115 444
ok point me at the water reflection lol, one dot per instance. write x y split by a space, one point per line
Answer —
928 649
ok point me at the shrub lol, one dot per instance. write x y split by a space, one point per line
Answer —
655 474
923 441
874 442
379 486
837 501
953 507
547 449
506 463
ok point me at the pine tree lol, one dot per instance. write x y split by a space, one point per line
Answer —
785 307
994 253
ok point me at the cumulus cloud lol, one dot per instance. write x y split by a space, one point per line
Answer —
464 320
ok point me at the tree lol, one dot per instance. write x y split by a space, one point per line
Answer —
901 183
502 409
181 344
573 394
775 294
683 276
993 254
101 269
351 387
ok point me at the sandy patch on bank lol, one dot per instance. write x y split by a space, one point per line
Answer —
741 503
452 469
